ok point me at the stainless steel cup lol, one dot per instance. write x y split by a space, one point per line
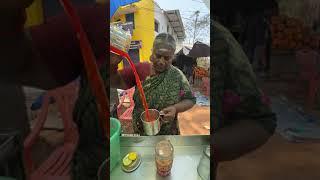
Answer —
152 127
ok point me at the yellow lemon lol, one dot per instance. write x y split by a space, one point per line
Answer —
132 156
126 161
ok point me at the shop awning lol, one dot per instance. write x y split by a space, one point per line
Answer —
115 4
176 23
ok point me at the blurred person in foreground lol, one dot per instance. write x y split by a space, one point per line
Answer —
47 56
242 118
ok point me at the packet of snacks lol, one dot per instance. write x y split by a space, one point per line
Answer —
119 38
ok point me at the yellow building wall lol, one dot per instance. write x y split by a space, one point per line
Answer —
34 14
144 27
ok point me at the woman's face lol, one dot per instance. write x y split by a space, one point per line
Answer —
161 59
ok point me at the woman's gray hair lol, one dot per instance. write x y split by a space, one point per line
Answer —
164 41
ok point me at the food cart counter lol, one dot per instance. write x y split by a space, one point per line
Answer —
187 153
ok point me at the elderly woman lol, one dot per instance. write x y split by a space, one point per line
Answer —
166 88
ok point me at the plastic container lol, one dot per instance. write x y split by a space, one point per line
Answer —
164 157
114 142
120 38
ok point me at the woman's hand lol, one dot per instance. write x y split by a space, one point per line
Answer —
169 113
114 62
115 78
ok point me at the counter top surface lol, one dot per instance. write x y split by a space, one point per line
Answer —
187 153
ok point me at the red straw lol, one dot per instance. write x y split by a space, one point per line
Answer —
138 81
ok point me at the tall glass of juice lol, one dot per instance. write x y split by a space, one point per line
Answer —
164 157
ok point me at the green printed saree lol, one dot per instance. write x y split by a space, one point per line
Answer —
161 91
